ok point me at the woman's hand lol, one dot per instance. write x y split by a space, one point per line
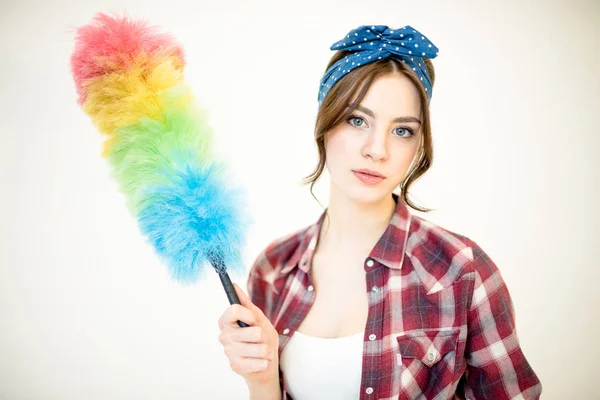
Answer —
252 351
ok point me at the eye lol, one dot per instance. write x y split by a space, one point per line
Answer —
355 118
412 133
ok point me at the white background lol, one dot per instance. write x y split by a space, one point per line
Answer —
87 311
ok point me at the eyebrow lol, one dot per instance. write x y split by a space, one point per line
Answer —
399 119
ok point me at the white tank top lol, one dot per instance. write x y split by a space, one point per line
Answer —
322 368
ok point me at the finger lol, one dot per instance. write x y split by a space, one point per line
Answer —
246 302
236 312
247 365
249 350
234 333
252 334
244 299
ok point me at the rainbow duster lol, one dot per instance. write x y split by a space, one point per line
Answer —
129 81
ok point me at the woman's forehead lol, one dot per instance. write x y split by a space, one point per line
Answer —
391 96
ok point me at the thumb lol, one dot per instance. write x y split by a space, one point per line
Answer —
246 302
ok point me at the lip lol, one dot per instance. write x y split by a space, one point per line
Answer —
369 172
368 179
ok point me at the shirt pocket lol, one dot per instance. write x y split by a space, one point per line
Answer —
426 361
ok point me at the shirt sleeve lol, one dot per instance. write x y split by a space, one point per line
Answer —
496 366
257 292
257 285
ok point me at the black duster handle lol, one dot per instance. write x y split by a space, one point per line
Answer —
231 294
217 263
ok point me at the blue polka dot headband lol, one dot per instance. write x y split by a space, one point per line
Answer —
372 43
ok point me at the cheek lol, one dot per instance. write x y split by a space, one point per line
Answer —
338 147
404 157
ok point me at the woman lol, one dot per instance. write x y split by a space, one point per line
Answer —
371 301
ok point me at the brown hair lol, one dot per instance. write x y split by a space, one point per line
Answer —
333 111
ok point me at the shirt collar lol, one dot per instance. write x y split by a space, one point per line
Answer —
388 251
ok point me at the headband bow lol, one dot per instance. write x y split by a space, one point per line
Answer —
372 43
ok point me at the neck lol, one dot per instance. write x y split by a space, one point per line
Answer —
355 225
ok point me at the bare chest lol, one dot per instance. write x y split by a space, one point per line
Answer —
340 307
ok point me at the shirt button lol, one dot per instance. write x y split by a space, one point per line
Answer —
370 263
286 331
374 289
430 357
311 288
369 390
372 336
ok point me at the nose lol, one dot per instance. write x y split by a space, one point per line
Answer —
375 145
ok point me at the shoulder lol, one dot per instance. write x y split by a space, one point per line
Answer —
278 253
441 256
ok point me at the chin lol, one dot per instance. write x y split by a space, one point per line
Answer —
367 194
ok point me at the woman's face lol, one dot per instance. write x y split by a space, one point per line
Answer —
382 135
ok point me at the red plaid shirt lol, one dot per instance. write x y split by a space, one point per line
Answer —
441 323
